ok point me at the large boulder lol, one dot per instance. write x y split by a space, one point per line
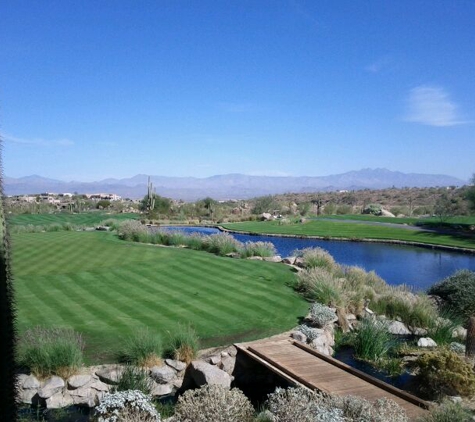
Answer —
110 375
426 342
76 381
203 373
162 374
59 400
51 386
386 213
398 328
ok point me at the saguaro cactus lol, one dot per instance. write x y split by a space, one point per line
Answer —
150 196
8 396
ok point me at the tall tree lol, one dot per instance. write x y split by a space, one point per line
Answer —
8 393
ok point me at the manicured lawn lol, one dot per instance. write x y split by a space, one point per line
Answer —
83 219
341 229
462 220
106 289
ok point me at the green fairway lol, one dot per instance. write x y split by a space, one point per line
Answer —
83 219
106 288
348 230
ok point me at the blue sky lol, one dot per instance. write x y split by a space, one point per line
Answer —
98 89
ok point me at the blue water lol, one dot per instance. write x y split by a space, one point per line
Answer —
397 264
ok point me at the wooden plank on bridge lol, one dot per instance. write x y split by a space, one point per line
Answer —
302 365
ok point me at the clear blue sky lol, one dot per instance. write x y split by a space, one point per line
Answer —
112 88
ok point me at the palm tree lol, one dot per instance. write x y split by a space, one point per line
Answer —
8 394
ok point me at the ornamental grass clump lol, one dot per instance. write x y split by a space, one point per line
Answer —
372 340
222 244
51 351
320 285
126 406
182 344
316 257
262 249
134 378
441 329
143 348
133 230
214 403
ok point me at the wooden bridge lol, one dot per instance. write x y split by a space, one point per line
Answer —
302 366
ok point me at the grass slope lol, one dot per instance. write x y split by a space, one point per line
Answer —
341 229
106 289
83 219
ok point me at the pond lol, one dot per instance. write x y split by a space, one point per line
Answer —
414 266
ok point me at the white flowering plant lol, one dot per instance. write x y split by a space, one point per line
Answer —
125 405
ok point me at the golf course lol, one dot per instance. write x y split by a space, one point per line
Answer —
107 289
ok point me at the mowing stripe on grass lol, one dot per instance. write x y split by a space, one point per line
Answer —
107 288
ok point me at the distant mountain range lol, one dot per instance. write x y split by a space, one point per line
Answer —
231 186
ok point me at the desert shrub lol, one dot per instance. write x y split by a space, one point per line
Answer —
373 209
321 315
214 403
311 333
448 411
458 293
264 249
358 409
344 209
372 341
134 378
126 406
316 257
443 372
143 348
299 404
48 351
133 230
182 344
221 244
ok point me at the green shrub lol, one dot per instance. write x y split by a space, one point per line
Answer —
134 378
372 341
448 411
182 344
443 372
126 406
214 403
143 348
373 209
458 293
51 351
